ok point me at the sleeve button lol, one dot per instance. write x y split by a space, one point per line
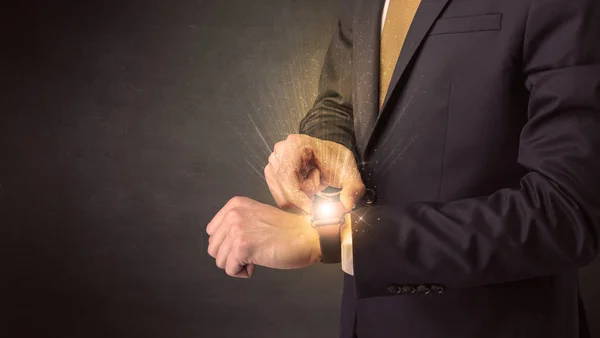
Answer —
408 290
394 289
422 289
437 289
369 197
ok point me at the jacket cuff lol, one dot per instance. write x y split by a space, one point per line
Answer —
333 135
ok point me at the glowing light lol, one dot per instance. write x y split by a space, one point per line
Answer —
326 210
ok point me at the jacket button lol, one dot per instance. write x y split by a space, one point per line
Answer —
437 289
369 197
422 289
394 289
408 290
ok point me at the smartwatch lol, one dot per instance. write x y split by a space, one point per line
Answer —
327 216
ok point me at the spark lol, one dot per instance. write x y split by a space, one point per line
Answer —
362 218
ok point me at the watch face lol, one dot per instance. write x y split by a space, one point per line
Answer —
327 213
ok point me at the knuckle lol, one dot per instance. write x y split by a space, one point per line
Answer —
272 159
296 139
233 218
278 147
230 270
344 151
235 202
221 265
361 188
212 251
238 202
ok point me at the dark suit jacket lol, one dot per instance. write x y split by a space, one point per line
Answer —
483 165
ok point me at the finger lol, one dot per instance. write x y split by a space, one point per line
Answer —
353 187
246 272
279 196
312 184
217 219
274 161
280 149
291 178
243 271
250 270
223 252
351 193
216 240
275 188
235 267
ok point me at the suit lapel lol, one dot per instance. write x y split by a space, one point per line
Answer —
425 17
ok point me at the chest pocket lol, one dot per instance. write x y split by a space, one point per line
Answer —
467 24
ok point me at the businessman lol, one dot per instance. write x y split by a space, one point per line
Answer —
465 136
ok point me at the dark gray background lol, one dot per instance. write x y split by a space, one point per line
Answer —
125 126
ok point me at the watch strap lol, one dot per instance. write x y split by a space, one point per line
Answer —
331 243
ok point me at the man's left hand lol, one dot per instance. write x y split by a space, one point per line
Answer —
245 233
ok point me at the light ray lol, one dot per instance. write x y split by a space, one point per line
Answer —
259 133
255 170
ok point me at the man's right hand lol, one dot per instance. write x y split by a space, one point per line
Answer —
302 165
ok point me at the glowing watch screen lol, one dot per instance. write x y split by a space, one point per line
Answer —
327 209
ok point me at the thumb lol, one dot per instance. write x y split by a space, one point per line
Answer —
250 270
244 271
311 183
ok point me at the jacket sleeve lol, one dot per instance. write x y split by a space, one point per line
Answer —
548 225
331 116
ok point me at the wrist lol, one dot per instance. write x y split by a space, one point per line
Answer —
310 238
327 217
329 243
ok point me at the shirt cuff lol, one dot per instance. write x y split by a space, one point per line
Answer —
347 258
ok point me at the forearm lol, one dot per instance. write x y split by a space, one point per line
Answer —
331 117
330 120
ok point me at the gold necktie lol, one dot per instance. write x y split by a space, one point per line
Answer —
399 16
